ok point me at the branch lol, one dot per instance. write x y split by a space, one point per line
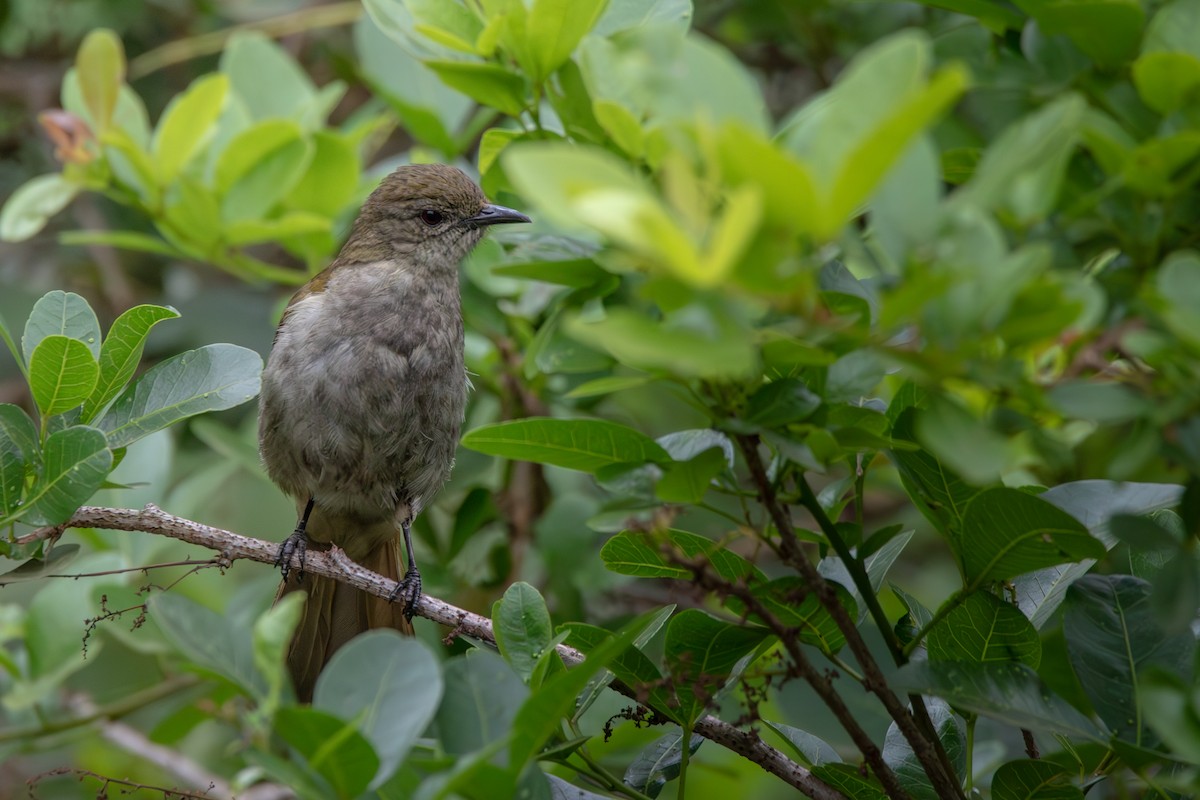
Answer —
925 749
337 565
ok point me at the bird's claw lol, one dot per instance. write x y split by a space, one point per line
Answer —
295 544
408 589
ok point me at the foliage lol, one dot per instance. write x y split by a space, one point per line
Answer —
958 275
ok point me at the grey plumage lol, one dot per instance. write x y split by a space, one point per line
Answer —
364 391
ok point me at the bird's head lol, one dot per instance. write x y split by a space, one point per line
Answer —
431 213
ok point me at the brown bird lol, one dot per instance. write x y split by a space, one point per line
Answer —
363 396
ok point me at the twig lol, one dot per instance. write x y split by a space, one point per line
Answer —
926 751
335 564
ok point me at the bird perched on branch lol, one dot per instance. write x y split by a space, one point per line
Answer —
363 396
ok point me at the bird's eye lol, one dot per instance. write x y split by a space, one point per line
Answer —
431 217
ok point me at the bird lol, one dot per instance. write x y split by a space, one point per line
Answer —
363 396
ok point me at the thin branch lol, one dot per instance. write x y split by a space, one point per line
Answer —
926 751
335 564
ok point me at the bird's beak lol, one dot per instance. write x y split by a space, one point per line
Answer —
492 214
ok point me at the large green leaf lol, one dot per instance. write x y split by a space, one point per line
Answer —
1011 693
1007 532
64 314
75 462
101 68
488 84
1029 779
984 628
659 763
631 665
1106 30
701 651
482 698
640 554
62 374
813 750
389 685
1092 502
220 644
212 378
582 444
938 492
1112 636
261 166
796 608
554 28
266 79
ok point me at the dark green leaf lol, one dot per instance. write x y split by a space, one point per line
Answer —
847 779
659 763
786 599
1007 532
18 452
1112 636
984 628
582 444
781 402
1027 779
813 751
701 652
75 462
898 753
640 554
1011 693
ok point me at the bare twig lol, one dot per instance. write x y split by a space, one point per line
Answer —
337 565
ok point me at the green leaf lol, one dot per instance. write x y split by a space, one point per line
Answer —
259 167
938 492
962 441
639 554
267 80
522 626
688 481
33 203
121 352
62 374
1112 636
1108 31
482 698
622 15
788 601
124 240
331 747
780 403
212 378
701 651
390 685
813 751
898 753
631 665
713 348
1022 169
659 763
1093 502
848 780
488 84
296 223
39 569
996 15
554 28
609 384
18 451
1171 712
188 124
984 628
1167 82
541 715
332 178
1011 693
64 314
220 644
272 636
100 65
1176 283
1030 779
1007 532
582 444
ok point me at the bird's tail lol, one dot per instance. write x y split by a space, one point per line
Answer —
335 613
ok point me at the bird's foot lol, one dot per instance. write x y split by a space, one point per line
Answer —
295 544
409 589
